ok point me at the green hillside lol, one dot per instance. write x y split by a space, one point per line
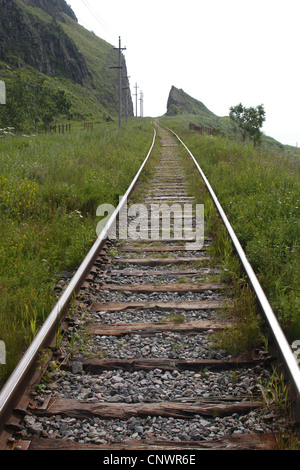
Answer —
184 109
180 102
42 44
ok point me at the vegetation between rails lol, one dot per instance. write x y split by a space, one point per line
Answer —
246 332
50 188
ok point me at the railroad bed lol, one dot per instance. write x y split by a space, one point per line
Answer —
134 365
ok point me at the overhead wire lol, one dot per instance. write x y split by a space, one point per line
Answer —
101 22
95 15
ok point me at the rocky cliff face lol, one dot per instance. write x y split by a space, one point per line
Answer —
55 8
180 102
176 98
26 39
44 36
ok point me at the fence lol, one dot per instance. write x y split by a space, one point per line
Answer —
63 128
89 125
58 128
203 129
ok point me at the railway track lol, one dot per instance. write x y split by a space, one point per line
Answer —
131 364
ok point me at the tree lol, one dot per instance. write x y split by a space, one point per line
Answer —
45 103
248 121
13 113
30 101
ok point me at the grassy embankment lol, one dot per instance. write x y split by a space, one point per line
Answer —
50 187
259 190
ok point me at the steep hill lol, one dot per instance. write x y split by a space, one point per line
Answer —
180 102
191 110
41 39
184 109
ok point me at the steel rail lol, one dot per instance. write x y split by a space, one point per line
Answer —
10 388
290 362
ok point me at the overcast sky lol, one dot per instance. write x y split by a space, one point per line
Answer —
221 52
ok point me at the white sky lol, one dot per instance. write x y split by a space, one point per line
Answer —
221 52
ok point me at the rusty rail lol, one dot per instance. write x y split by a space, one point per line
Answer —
11 387
289 361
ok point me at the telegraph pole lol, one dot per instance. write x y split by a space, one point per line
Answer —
136 95
142 104
120 49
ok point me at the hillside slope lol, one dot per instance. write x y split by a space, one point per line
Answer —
42 38
189 110
184 109
180 102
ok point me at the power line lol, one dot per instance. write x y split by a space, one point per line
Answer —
83 23
100 21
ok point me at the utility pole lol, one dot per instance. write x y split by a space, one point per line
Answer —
120 49
136 95
142 104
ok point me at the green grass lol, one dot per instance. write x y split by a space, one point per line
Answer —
100 57
223 124
202 118
50 188
260 193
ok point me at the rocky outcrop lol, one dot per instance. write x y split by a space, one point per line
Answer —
180 102
176 98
